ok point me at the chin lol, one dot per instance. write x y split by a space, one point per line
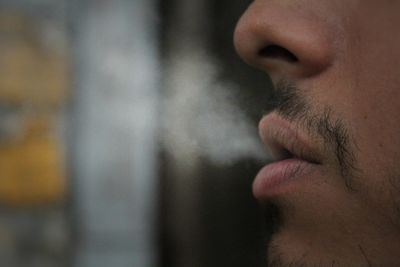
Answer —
288 249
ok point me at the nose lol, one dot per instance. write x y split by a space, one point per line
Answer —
284 39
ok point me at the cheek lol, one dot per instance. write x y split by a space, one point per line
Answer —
370 92
371 76
373 72
374 120
366 94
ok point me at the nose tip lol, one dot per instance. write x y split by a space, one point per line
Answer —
283 41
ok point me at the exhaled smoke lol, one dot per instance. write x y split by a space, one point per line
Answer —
201 114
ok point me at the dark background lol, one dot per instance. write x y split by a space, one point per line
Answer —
229 228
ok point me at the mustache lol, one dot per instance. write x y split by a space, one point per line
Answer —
291 103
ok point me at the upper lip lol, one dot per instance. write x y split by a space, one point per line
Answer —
287 140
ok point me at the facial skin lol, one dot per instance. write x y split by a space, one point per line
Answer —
335 65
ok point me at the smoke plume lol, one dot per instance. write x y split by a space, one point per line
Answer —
202 117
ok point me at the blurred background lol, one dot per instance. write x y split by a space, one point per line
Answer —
89 173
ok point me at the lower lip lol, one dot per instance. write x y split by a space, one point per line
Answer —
281 177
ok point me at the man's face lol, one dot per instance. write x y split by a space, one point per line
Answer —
334 128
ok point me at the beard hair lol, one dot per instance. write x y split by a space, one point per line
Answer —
291 103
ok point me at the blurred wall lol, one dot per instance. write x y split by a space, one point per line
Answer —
33 93
113 124
204 214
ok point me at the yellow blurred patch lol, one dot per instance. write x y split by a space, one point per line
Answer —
31 169
34 78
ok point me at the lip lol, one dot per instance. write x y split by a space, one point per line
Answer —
296 157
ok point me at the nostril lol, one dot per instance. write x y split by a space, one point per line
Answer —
278 52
